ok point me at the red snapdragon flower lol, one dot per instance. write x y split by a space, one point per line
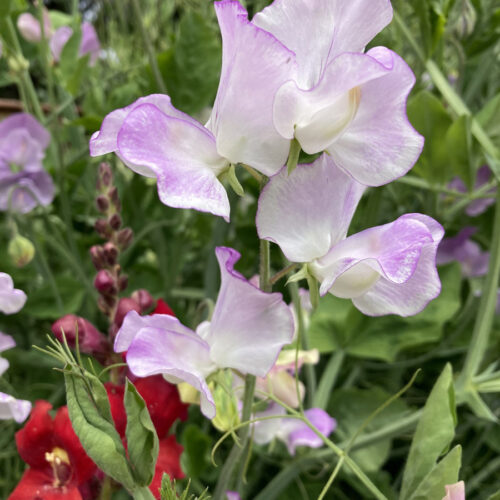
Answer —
58 463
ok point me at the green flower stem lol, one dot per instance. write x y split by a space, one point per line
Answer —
149 47
485 315
332 477
293 156
45 49
328 379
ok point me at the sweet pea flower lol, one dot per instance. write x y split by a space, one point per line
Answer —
30 28
388 269
89 43
156 140
455 491
6 342
247 331
342 101
478 206
293 432
24 183
460 248
58 464
12 300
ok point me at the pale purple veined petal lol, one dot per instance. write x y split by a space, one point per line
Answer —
133 322
380 144
319 30
455 491
473 261
182 155
59 40
90 42
249 327
254 65
308 211
410 297
12 300
176 356
264 431
27 122
6 342
302 435
12 408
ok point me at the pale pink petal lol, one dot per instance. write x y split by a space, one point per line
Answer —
59 40
308 211
455 491
11 299
12 408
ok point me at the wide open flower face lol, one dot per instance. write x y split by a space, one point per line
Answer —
350 104
388 269
155 139
247 331
24 183
57 460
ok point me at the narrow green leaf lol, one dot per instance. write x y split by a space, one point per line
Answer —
5 6
459 143
445 472
70 55
433 434
97 435
141 435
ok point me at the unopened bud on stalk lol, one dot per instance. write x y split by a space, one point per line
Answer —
110 253
125 305
97 256
124 238
102 203
104 282
114 198
105 176
21 250
115 221
144 299
102 228
122 283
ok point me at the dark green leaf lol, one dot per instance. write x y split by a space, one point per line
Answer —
141 436
5 7
458 141
197 445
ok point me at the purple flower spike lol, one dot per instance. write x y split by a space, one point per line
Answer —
156 140
6 342
468 253
247 331
12 300
24 184
388 269
11 408
293 432
350 104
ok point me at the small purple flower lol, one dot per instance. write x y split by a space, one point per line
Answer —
24 183
89 44
388 269
345 102
455 491
478 206
460 248
12 300
156 140
29 27
291 431
247 331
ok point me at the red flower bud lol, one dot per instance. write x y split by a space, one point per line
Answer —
163 308
144 299
102 228
97 256
110 253
124 306
104 282
102 203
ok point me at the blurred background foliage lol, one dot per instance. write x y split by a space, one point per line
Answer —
172 254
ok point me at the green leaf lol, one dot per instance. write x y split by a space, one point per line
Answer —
433 435
70 55
430 118
141 435
191 68
489 118
458 142
74 81
41 303
337 324
97 434
197 445
5 7
445 472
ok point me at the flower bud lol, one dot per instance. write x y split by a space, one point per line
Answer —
105 176
90 340
114 198
144 299
30 28
97 256
125 305
124 238
21 250
104 282
102 203
122 283
115 221
102 228
110 253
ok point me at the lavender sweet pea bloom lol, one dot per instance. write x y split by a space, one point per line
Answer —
292 432
12 300
23 182
478 206
246 333
89 43
350 104
460 248
388 269
6 342
155 139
